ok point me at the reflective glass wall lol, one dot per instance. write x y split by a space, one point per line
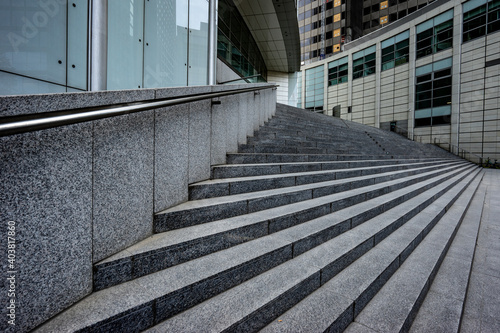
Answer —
157 43
235 45
43 46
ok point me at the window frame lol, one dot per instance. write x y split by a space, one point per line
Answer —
364 63
428 42
428 84
390 48
335 69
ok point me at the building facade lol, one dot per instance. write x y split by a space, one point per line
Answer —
55 46
433 75
326 25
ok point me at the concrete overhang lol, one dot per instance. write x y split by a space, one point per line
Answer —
275 28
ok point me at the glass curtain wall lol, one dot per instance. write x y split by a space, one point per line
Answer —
433 93
299 89
363 62
481 17
315 88
43 46
235 45
435 34
157 43
396 50
338 71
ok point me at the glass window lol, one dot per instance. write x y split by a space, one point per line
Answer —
337 71
395 50
480 17
433 93
299 89
314 88
236 46
43 46
435 34
363 63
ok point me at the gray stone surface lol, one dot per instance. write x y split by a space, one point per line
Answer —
231 107
233 171
242 118
218 140
28 104
46 189
171 156
199 141
185 218
182 91
235 308
482 304
123 182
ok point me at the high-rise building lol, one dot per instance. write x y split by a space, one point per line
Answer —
326 25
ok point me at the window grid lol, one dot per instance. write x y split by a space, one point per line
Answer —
338 71
433 93
395 51
314 88
480 20
435 34
364 63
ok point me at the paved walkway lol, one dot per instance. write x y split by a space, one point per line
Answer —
482 304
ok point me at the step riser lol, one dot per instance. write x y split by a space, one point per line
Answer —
301 150
147 263
236 171
354 308
179 219
304 142
204 191
291 158
170 305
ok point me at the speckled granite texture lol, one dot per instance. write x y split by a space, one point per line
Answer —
45 188
171 156
80 193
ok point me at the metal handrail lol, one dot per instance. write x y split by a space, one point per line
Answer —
241 78
465 154
409 134
33 122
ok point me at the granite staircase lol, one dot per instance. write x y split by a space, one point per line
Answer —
317 224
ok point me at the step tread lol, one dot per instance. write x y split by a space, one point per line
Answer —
298 174
193 204
232 307
392 308
352 287
443 305
139 293
179 236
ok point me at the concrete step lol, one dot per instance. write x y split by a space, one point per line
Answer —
256 302
249 170
268 132
229 186
301 141
394 307
240 158
177 246
335 305
293 149
211 209
148 300
443 306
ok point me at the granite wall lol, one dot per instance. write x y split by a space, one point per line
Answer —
77 194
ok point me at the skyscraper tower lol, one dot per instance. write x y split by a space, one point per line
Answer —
325 25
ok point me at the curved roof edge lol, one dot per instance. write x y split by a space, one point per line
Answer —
275 28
